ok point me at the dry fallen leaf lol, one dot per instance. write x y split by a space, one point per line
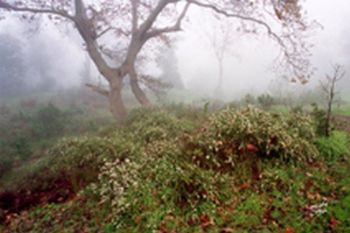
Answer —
289 230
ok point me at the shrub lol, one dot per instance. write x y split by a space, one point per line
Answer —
16 136
320 120
149 124
81 158
22 147
191 113
48 121
5 164
266 101
250 133
146 189
335 146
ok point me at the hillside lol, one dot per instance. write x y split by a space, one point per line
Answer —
185 169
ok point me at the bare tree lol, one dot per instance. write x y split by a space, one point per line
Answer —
329 88
131 24
220 37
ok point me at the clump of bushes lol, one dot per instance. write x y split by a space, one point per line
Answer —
81 158
146 192
29 134
149 124
5 163
193 114
22 131
320 121
48 121
251 133
265 101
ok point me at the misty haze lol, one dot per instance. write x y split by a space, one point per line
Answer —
174 116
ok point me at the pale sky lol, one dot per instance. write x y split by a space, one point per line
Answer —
251 72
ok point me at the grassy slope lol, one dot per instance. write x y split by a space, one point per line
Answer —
287 198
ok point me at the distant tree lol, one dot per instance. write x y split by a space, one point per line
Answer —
221 39
135 23
168 64
12 67
328 86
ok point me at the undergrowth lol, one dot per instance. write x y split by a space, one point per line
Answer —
242 170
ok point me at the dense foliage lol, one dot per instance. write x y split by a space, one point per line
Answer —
29 132
232 136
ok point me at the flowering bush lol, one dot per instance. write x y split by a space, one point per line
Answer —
250 133
81 158
115 178
156 185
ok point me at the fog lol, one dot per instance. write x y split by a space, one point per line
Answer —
251 71
56 53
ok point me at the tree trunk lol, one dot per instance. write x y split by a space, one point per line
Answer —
136 89
328 115
116 102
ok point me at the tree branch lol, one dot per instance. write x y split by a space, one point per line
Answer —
84 28
103 32
98 89
79 8
135 19
61 13
176 27
89 36
147 24
242 17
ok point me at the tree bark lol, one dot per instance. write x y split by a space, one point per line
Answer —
329 109
136 89
116 102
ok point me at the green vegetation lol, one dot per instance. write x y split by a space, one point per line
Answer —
27 135
334 147
343 110
184 169
266 101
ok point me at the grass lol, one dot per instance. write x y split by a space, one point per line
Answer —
344 110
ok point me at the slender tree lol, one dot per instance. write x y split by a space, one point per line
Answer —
131 24
220 37
329 88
